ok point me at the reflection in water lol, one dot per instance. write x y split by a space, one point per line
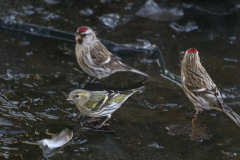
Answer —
199 133
196 131
99 103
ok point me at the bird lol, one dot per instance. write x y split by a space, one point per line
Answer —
94 58
199 87
100 103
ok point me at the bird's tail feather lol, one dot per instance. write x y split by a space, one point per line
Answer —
138 72
125 67
233 115
227 110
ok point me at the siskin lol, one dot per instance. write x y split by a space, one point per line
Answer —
199 87
94 58
100 103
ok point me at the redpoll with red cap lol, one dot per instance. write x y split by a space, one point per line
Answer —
199 87
94 58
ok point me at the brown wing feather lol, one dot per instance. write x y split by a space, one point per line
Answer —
201 84
208 95
101 56
99 53
199 78
115 64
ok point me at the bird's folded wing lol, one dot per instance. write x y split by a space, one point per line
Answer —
101 99
99 54
207 94
117 98
115 64
97 100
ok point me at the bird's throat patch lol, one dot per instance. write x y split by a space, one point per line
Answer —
80 41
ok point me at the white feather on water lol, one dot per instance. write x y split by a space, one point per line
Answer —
57 140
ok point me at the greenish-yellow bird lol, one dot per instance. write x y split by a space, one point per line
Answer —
100 103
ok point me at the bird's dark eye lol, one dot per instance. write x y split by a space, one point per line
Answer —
84 35
77 96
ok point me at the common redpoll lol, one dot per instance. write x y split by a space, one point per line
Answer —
94 58
199 87
99 103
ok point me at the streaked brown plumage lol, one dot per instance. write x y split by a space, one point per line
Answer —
199 87
94 58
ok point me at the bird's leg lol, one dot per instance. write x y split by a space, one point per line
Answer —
100 126
195 115
193 119
79 116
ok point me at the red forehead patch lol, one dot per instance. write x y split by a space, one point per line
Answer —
82 29
192 50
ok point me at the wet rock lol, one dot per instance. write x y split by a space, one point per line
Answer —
155 145
110 20
50 16
10 130
189 26
230 154
29 53
129 6
39 9
30 116
218 9
104 1
80 141
142 44
84 149
230 60
55 108
43 114
153 11
87 12
51 1
24 43
5 122
28 10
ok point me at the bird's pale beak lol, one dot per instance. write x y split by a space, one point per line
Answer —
78 37
69 98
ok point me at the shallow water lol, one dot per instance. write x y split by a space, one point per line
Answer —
38 73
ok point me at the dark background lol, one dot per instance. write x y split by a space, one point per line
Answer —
38 73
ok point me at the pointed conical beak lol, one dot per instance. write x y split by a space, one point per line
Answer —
78 37
69 98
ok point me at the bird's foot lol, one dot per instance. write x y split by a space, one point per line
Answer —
93 81
194 119
193 113
91 120
100 126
